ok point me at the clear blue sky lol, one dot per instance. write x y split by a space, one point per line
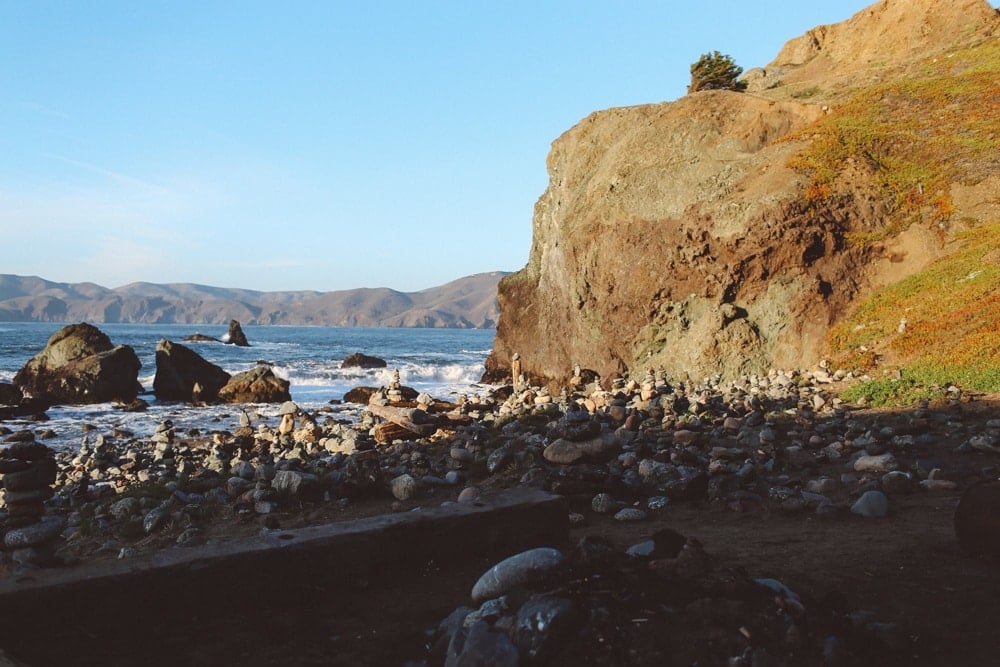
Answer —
321 145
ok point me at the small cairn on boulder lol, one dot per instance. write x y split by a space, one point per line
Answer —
395 392
28 470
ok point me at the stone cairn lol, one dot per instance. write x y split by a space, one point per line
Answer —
395 393
28 470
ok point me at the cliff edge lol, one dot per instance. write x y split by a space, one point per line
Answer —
703 237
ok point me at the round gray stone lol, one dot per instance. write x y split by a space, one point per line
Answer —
872 504
519 570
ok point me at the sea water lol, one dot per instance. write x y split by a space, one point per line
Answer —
445 363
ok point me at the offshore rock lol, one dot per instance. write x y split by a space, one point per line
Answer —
235 336
184 375
257 385
79 365
360 360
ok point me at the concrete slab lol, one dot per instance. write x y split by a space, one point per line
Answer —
305 567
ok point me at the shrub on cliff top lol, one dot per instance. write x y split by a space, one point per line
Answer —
716 71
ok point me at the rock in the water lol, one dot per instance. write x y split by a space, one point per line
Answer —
257 385
977 519
79 365
521 569
236 335
179 369
872 504
359 360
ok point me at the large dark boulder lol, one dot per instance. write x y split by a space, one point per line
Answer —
257 385
79 365
359 360
236 335
179 369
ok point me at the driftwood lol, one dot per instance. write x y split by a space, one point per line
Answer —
402 422
414 420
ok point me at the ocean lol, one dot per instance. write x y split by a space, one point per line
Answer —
445 363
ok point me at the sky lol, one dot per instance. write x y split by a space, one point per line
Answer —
321 145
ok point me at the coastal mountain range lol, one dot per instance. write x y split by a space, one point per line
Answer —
465 303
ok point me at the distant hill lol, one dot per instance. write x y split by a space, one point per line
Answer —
465 303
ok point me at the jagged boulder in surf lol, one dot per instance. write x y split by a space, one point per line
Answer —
361 360
79 365
236 336
257 385
184 375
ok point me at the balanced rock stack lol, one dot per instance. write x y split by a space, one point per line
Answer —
29 469
395 393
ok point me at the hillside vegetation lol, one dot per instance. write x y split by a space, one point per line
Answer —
916 138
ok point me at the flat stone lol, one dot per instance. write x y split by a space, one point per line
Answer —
521 569
39 533
880 463
630 514
565 452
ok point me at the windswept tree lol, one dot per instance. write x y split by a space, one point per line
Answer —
716 71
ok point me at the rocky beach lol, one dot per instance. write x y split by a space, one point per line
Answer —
759 521
741 407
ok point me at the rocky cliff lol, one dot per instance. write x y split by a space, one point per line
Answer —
468 302
693 236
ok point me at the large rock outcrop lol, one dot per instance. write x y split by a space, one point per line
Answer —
79 365
675 235
184 375
257 385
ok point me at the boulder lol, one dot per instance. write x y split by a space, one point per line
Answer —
236 336
257 385
363 395
179 369
359 360
79 365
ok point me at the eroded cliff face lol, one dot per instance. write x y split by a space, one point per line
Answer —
674 236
